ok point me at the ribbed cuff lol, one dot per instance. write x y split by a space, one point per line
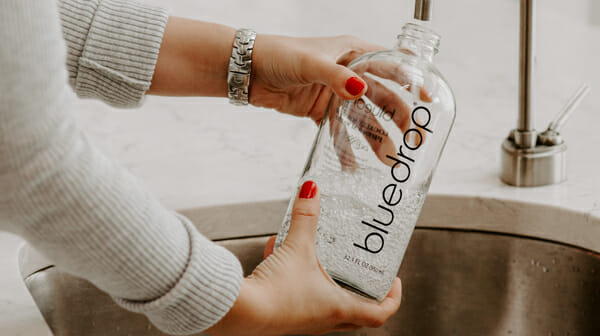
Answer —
203 295
120 50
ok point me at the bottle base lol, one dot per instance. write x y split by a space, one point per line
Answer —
353 289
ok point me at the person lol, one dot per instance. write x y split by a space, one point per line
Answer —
97 221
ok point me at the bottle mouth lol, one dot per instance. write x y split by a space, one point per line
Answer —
424 35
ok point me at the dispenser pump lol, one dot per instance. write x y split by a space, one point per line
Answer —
423 10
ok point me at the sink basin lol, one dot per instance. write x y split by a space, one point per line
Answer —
498 271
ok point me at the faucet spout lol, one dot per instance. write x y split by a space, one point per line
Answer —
423 10
525 134
530 159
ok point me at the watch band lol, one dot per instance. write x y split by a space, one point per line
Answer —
240 66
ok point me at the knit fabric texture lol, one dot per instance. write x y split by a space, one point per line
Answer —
66 198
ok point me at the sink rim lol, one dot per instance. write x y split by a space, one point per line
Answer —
548 222
488 215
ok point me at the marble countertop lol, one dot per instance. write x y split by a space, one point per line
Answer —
196 152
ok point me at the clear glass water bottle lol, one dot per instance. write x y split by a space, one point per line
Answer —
373 160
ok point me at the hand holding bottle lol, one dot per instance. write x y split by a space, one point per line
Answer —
289 293
374 159
297 76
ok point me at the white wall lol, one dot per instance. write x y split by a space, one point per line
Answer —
476 35
594 6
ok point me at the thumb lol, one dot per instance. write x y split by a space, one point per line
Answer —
305 217
343 81
269 247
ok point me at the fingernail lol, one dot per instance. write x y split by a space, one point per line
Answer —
354 85
308 190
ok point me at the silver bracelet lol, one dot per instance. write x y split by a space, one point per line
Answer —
240 66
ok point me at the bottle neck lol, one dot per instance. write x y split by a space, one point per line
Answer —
419 41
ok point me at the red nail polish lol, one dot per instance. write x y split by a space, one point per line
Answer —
308 190
354 85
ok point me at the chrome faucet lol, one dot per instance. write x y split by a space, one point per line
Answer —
423 10
529 158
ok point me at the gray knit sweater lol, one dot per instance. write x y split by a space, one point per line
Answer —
75 205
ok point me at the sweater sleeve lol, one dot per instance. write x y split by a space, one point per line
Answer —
81 209
112 48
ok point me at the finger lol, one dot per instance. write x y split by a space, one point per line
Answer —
425 95
343 81
321 104
393 72
372 130
341 141
389 102
394 106
347 47
305 217
358 50
392 301
269 247
371 314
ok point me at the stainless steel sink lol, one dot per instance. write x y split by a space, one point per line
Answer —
474 277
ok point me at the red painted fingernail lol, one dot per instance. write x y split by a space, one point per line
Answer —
354 85
308 190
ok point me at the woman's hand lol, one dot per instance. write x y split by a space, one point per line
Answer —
298 75
289 292
293 75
